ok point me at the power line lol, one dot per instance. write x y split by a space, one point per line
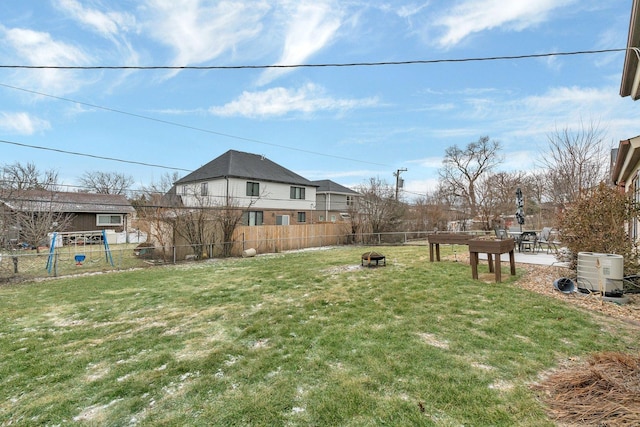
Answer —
171 123
348 64
57 150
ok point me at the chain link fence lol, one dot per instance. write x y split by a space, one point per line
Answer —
25 264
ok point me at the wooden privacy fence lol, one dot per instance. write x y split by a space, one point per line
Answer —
276 238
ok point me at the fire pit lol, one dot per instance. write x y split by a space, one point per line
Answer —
370 257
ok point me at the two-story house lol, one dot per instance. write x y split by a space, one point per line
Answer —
268 193
334 202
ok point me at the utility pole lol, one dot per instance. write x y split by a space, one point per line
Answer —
399 181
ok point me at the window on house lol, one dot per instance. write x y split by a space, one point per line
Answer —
253 188
184 190
297 193
204 189
103 220
302 217
253 218
350 201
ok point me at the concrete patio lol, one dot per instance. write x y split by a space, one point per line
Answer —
540 258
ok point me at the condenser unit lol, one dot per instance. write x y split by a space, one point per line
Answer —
601 273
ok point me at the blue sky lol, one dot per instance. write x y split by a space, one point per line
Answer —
341 123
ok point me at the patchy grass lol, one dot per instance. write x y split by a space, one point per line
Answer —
308 338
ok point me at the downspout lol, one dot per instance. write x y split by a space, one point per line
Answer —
327 206
227 191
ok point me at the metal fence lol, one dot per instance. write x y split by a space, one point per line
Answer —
19 265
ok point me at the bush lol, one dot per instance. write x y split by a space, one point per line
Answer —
597 222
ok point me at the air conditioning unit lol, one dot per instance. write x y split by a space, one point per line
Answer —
600 273
282 219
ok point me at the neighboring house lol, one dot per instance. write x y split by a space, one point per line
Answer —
334 202
625 168
268 193
630 85
90 212
625 174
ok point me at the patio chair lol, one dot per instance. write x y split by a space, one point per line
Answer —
528 242
544 238
501 233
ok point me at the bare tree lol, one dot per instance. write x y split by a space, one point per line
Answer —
378 206
35 227
462 168
575 161
155 209
18 177
196 224
106 182
429 213
228 217
488 201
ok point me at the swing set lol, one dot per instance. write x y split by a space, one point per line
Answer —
78 257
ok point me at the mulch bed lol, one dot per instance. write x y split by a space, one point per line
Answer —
604 391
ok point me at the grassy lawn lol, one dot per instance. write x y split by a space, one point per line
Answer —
306 338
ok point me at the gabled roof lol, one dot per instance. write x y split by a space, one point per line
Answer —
630 85
60 201
627 158
237 164
328 186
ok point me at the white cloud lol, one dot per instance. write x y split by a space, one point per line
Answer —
414 188
281 101
39 48
200 31
22 123
108 24
473 16
428 162
311 25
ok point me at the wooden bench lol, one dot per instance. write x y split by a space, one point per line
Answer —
491 248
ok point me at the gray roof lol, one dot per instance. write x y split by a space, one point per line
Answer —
59 201
328 186
237 164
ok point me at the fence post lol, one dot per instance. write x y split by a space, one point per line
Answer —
174 254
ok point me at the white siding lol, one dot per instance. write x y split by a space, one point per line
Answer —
272 195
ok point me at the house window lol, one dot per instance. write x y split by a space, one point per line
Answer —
297 193
105 220
302 217
184 190
253 218
253 188
204 189
350 200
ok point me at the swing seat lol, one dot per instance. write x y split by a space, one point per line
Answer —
79 259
